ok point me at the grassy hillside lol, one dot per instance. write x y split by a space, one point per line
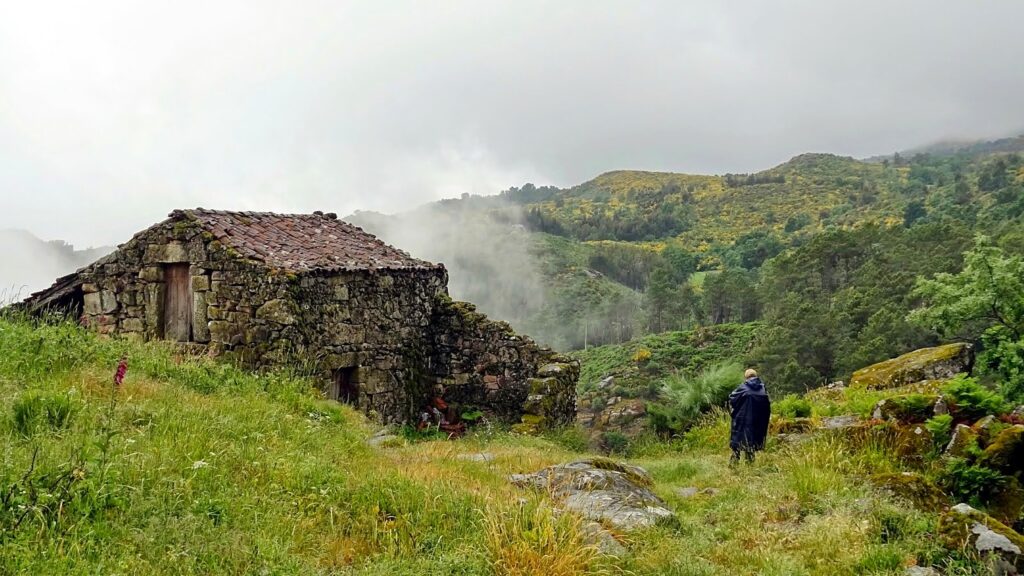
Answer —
630 253
193 467
638 365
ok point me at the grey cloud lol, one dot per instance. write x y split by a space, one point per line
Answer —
113 114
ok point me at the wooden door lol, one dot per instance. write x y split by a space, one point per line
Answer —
177 303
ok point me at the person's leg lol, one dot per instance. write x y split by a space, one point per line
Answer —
750 456
735 458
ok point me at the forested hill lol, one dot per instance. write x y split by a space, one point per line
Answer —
823 250
806 194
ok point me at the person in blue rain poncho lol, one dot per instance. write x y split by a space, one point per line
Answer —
750 408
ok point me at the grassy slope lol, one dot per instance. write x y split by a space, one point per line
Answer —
211 470
685 352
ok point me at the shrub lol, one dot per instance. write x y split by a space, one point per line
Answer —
971 483
683 400
641 356
971 400
572 438
792 406
614 442
910 407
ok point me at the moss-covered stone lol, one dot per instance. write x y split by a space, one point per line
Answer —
987 429
1008 503
913 487
911 408
1006 452
939 363
963 443
791 425
964 528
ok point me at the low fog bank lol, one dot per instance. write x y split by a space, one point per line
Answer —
483 244
28 264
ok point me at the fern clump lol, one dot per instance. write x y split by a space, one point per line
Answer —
682 400
971 400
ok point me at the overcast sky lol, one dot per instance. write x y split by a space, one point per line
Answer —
114 113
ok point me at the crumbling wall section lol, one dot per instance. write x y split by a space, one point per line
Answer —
374 322
483 363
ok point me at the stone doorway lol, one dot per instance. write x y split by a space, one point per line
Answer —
177 303
344 387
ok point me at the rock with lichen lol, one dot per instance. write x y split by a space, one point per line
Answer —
912 487
909 408
963 442
939 363
1006 451
964 528
601 490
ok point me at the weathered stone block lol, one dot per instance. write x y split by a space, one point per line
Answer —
277 311
200 283
174 252
91 304
227 333
151 274
341 292
132 325
348 334
108 301
200 322
256 334
345 360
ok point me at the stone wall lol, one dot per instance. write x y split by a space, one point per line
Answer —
377 323
484 363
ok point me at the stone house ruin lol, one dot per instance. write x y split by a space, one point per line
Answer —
314 292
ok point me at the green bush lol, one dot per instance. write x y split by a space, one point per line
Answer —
614 442
792 406
971 483
682 400
971 400
911 407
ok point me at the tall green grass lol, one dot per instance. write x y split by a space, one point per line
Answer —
198 467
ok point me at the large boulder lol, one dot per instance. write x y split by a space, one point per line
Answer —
912 487
909 408
964 528
601 490
1006 451
939 363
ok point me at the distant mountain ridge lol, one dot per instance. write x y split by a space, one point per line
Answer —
967 147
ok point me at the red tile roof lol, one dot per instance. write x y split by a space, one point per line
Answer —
302 242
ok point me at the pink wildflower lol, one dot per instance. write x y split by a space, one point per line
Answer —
122 368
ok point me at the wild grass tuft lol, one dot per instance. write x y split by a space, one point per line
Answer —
533 539
682 400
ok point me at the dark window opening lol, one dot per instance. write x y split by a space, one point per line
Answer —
344 387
